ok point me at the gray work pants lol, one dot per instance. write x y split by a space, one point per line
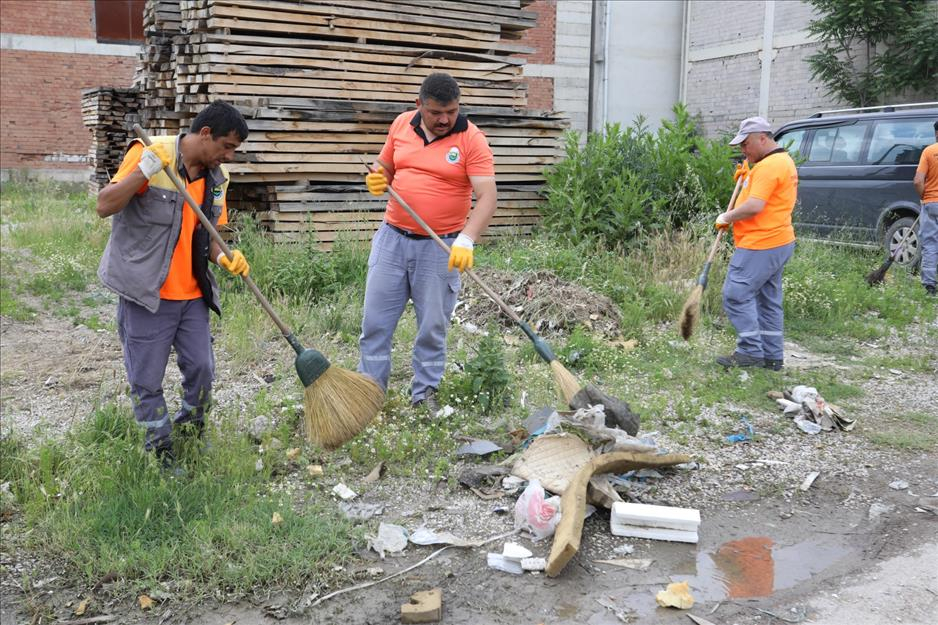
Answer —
752 299
928 241
146 338
402 268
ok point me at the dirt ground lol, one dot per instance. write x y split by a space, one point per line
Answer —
849 550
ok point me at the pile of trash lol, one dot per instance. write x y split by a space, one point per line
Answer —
812 413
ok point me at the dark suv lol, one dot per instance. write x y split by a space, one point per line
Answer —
855 170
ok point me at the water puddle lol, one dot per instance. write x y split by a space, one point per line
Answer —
756 566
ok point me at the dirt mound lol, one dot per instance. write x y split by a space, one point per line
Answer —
549 304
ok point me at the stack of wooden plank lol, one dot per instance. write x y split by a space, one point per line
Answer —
320 81
162 23
110 114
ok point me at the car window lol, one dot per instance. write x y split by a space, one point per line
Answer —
900 142
839 144
792 141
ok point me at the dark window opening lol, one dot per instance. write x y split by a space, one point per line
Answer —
119 21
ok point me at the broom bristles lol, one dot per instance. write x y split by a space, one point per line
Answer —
878 275
566 382
338 405
690 312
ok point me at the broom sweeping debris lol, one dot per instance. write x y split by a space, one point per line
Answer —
691 310
338 404
569 387
878 275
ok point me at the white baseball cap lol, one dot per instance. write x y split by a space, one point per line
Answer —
749 126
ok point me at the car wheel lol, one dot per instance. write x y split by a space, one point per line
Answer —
910 255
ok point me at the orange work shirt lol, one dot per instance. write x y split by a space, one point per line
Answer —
433 178
928 165
774 180
180 283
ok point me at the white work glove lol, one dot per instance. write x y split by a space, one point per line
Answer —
460 253
153 160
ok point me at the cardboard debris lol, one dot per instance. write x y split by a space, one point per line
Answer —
573 503
553 460
425 606
811 412
676 595
638 564
809 480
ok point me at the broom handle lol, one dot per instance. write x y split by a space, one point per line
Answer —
901 245
542 348
702 280
196 208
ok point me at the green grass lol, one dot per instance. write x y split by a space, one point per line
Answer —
101 504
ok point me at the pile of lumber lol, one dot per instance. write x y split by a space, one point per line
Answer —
320 81
110 114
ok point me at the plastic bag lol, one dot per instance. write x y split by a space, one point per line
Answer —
536 514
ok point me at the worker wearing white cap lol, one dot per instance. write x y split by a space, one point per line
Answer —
764 240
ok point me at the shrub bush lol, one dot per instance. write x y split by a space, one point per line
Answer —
625 181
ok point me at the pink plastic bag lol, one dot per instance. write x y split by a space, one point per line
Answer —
536 514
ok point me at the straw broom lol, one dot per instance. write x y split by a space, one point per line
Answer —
691 311
337 404
878 275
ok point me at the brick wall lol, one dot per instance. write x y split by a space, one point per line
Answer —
40 92
541 37
52 18
541 93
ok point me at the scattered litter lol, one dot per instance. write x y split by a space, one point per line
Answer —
500 563
676 595
259 465
592 422
811 412
425 606
479 475
360 511
742 436
390 539
878 509
899 485
375 474
478 447
625 549
538 419
293 453
552 459
515 552
534 564
470 327
809 480
656 522
344 491
445 411
314 470
700 620
536 514
512 483
501 509
895 372
637 564
424 536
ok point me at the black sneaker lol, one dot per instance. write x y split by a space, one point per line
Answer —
930 290
739 359
774 365
429 401
168 461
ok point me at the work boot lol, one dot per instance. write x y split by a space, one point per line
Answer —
739 359
774 365
429 401
168 461
930 290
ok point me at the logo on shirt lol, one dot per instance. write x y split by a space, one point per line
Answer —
452 157
746 182
216 192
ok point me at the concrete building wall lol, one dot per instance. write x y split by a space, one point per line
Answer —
47 57
643 46
732 74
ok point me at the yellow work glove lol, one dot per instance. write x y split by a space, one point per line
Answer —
722 223
238 264
742 170
460 253
154 158
377 182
